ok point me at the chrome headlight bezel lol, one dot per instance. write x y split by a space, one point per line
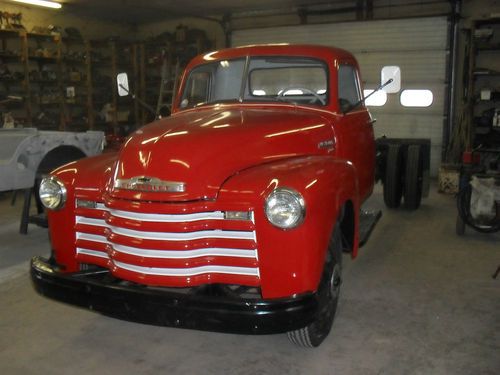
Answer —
283 196
52 188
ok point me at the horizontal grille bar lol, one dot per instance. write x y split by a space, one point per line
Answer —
163 218
91 221
189 271
93 253
206 234
172 254
168 236
180 254
91 237
203 234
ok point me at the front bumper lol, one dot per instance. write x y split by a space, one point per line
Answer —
100 292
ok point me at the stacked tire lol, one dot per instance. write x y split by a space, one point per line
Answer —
403 179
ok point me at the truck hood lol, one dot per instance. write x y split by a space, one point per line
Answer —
189 155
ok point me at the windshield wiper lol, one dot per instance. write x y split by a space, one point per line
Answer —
355 105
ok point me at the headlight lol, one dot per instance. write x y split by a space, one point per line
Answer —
52 193
285 208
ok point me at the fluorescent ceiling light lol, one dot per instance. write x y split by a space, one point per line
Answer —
42 3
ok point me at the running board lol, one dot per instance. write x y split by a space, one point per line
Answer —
367 221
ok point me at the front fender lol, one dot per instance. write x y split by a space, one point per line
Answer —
84 179
291 261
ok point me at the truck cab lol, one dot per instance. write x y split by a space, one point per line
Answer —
231 214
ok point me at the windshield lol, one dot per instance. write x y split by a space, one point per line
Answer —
291 79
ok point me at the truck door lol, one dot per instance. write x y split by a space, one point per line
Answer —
355 128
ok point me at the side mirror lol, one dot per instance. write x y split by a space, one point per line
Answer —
122 83
164 111
394 73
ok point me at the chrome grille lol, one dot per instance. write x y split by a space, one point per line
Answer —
168 248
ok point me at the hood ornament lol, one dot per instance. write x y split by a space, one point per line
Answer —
150 184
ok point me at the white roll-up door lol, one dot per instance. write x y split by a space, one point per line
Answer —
419 46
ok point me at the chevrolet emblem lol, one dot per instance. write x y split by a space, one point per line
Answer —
150 184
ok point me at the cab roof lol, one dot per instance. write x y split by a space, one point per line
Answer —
303 50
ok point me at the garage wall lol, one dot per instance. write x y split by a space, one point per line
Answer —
418 46
337 11
213 30
89 27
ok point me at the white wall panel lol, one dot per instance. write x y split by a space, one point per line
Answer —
416 67
418 46
419 34
393 106
409 126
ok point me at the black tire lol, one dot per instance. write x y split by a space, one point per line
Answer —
57 157
328 291
413 177
393 184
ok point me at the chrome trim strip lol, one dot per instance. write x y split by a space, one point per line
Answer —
149 184
91 237
164 218
185 236
168 218
163 236
94 253
185 254
246 271
91 221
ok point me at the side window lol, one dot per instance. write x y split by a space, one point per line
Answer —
197 89
416 98
348 87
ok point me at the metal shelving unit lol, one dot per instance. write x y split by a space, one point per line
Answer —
65 82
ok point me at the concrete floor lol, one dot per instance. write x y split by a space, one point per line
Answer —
418 300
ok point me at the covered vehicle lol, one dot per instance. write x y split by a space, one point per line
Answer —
24 153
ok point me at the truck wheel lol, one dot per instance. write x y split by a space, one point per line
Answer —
57 157
413 178
393 186
328 292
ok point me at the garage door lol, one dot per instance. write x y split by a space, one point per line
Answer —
419 46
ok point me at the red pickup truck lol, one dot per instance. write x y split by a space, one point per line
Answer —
230 215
